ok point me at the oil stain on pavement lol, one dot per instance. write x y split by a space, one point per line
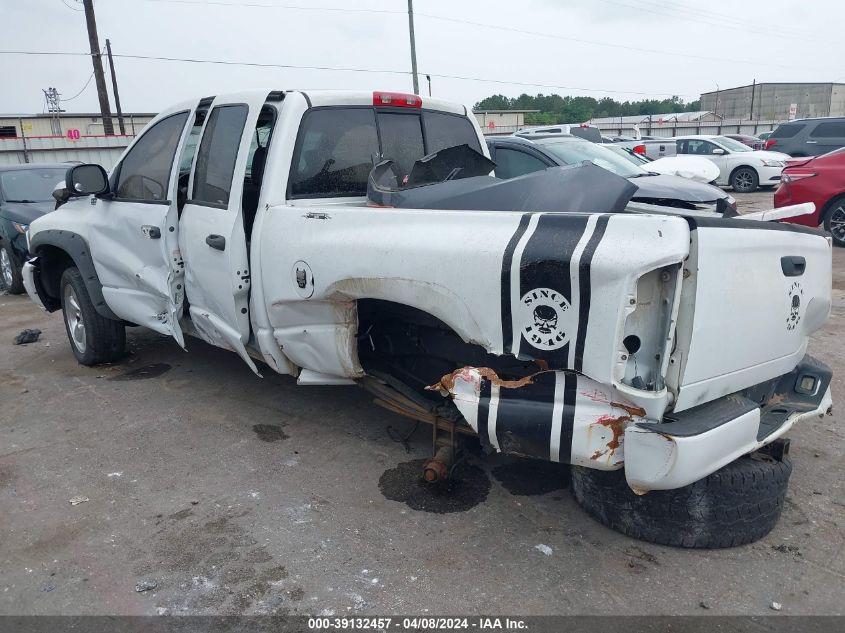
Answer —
404 483
143 373
269 432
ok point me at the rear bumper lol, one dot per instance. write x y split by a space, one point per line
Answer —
680 451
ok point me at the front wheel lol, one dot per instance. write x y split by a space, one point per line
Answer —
834 221
93 338
9 271
745 180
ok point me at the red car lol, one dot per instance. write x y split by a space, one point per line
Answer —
820 180
752 141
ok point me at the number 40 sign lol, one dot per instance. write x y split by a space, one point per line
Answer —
73 134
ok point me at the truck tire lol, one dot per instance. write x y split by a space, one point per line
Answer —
834 220
738 504
745 180
93 338
11 273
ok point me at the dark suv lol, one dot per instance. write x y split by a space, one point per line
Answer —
808 137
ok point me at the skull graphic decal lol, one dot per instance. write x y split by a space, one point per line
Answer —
548 319
795 294
545 319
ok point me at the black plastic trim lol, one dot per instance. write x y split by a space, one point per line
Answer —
77 248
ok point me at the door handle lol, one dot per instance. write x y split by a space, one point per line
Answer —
217 242
152 232
812 142
793 265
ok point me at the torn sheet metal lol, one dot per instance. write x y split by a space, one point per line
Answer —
554 415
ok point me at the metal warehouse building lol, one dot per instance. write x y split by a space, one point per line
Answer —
47 138
777 101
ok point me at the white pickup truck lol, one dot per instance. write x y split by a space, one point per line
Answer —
660 352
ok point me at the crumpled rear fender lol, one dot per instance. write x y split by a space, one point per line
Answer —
551 415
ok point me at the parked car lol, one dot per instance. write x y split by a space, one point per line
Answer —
652 351
581 130
654 148
517 156
820 180
25 194
808 137
764 136
740 167
752 141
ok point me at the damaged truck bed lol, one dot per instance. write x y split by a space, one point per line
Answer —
547 314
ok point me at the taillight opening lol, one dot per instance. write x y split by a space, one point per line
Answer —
397 99
787 177
771 142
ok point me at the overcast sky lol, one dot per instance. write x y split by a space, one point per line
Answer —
578 47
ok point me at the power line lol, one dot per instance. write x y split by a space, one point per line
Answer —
87 83
360 70
489 26
723 17
703 18
277 6
608 44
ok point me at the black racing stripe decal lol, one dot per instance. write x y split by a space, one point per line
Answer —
545 266
570 394
524 418
585 288
507 260
484 412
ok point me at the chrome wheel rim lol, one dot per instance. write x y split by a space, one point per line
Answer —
6 267
744 181
73 319
837 223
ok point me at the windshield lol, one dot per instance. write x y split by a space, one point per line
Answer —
732 145
30 185
571 152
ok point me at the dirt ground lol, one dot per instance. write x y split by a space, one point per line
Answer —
233 494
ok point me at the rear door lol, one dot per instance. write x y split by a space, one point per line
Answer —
211 229
753 294
826 137
134 238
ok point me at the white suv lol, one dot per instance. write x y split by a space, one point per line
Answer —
740 167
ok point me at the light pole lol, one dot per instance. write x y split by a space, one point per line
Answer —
413 47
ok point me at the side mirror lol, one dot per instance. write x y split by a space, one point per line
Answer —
719 152
86 180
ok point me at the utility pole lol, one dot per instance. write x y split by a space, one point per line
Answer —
97 60
114 89
413 47
753 90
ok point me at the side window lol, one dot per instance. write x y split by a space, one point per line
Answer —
334 153
699 148
681 147
217 155
401 139
511 163
829 129
144 173
447 130
787 130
